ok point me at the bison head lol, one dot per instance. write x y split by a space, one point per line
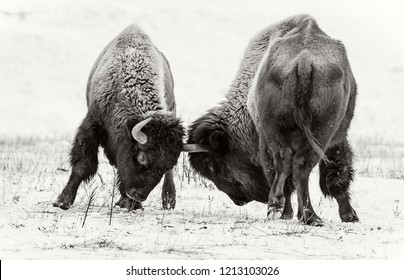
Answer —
147 149
217 155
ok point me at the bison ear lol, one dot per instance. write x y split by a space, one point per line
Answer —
129 126
209 133
173 137
217 141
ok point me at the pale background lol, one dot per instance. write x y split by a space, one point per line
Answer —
47 48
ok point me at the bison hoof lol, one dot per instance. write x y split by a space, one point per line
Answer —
286 215
310 218
168 201
129 204
274 212
275 207
274 215
64 200
350 217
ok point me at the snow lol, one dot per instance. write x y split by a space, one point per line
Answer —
46 53
205 224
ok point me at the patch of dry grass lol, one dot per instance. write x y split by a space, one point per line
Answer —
205 223
378 157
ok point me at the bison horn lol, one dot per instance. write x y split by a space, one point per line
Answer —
194 148
137 134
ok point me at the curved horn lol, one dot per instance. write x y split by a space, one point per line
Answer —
194 148
137 134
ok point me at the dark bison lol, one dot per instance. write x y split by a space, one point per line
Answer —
131 114
288 108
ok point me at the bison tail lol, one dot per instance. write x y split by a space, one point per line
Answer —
302 113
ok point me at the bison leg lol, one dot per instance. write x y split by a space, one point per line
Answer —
83 159
303 162
282 161
289 188
336 176
168 191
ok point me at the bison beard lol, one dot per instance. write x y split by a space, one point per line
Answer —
131 114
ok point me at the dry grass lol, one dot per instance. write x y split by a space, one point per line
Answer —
379 157
205 224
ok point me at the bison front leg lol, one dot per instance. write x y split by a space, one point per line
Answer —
83 159
336 177
168 191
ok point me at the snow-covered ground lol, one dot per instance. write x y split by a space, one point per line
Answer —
205 224
46 52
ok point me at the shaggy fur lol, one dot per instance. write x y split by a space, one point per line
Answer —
229 134
303 91
281 80
129 82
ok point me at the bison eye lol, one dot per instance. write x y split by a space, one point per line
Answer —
142 159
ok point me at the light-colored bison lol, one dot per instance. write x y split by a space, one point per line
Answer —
131 114
288 108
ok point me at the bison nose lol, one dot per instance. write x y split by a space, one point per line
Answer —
135 195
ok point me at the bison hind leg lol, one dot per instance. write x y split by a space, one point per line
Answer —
309 217
336 177
303 162
277 200
289 188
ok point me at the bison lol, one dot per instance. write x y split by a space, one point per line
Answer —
288 109
131 114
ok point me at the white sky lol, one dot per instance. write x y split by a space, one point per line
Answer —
48 48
